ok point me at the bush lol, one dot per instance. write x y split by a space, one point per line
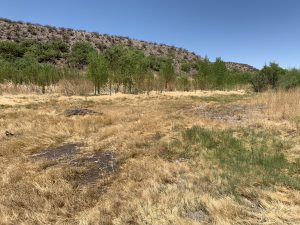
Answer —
290 79
268 77
11 50
79 54
184 82
186 67
258 82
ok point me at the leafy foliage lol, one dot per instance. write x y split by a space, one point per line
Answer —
98 70
79 54
128 69
268 77
167 72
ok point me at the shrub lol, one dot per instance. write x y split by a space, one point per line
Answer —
79 54
97 70
11 50
268 77
186 67
184 82
290 79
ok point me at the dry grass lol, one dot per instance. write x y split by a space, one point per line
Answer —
148 186
282 104
65 87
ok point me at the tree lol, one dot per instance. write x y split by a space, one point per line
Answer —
79 54
219 72
167 72
46 75
267 77
290 80
97 70
148 82
272 74
186 67
114 58
135 65
204 76
184 82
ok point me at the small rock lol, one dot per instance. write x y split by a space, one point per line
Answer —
8 134
199 215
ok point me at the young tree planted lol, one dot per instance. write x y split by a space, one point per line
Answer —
97 70
167 72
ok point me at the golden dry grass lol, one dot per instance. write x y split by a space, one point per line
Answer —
146 188
282 104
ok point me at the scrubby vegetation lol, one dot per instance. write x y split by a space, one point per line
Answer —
275 77
127 69
124 67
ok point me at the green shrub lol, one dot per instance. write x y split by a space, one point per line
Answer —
11 50
186 67
97 70
290 79
184 82
268 77
79 54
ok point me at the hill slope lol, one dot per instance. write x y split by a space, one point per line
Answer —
17 31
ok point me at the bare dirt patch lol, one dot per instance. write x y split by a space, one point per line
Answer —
93 167
199 215
231 113
67 150
79 112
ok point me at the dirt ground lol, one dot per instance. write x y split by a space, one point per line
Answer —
101 159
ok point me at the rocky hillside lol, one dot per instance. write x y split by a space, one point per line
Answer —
240 67
16 31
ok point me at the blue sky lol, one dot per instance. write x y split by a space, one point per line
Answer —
248 31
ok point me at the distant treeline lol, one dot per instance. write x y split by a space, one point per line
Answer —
126 69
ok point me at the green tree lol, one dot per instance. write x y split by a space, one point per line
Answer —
97 70
134 68
290 79
267 77
46 75
184 82
79 54
204 76
219 72
149 82
114 57
167 72
186 67
272 73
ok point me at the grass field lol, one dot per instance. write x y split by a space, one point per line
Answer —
171 158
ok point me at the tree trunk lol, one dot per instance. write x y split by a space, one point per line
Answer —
110 87
43 89
117 88
98 89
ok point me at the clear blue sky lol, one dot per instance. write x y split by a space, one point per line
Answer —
248 31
